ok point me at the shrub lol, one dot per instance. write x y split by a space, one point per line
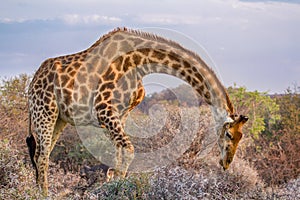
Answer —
17 181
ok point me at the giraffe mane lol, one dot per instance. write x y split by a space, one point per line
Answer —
174 44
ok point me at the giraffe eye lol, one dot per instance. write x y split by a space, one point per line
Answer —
229 135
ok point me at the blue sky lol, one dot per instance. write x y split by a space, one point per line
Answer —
252 43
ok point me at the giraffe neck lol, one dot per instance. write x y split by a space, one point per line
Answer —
144 53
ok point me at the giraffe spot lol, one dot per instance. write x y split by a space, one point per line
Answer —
84 94
95 60
199 91
199 77
102 113
152 61
77 57
90 68
120 107
194 69
137 41
118 63
50 88
126 64
145 51
173 57
98 99
64 79
207 95
51 76
70 58
186 64
67 96
101 106
127 97
176 66
39 82
106 121
117 95
109 113
118 37
76 65
81 78
125 47
158 55
47 100
182 73
71 84
202 87
136 59
118 138
108 85
188 78
67 63
109 74
166 63
106 95
124 85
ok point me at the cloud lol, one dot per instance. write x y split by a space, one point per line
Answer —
7 20
168 19
69 19
76 19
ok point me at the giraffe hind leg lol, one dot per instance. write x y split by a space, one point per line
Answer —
43 164
59 126
44 135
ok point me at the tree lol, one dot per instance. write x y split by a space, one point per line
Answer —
290 111
13 93
261 109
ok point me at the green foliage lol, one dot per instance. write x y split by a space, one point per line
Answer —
134 187
261 109
290 111
13 93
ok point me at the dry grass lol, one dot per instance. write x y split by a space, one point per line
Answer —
194 175
202 180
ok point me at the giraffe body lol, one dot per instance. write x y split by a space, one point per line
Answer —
101 85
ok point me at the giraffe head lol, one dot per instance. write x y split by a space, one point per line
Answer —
229 138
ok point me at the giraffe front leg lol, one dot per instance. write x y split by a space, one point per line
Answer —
118 161
124 155
123 158
124 150
128 157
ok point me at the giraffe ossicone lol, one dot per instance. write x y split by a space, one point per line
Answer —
99 87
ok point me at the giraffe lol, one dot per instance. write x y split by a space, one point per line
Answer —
102 84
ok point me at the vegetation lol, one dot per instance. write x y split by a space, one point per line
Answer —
267 164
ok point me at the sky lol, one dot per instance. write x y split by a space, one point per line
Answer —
255 44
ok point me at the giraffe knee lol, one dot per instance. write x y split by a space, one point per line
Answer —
129 148
127 145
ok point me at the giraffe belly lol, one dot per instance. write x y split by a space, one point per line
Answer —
79 115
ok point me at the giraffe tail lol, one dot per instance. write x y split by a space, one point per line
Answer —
31 144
